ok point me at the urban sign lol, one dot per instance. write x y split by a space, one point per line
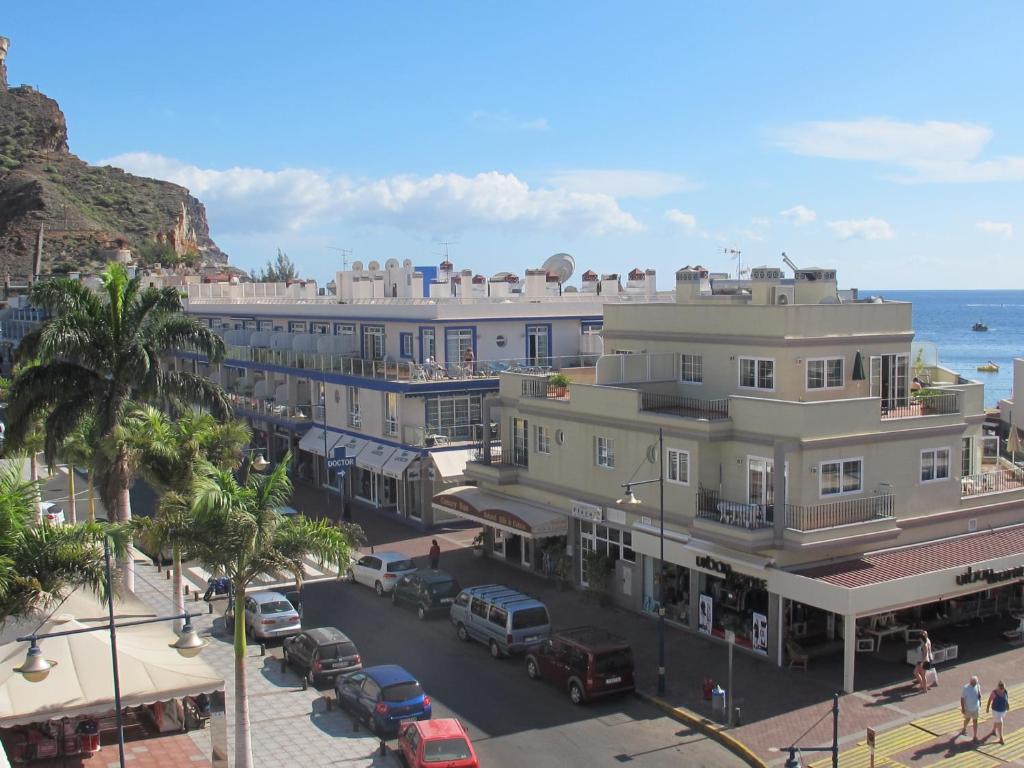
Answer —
339 460
717 566
989 576
584 511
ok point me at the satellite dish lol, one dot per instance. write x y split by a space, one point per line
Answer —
562 265
391 264
357 266
374 266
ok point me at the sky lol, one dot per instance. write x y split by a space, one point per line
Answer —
883 139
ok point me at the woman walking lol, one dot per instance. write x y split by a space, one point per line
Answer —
928 660
999 705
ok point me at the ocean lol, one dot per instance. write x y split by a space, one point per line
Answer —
945 319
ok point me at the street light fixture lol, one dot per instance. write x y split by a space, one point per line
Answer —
36 668
629 499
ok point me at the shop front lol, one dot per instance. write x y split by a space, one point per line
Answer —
372 485
402 468
448 470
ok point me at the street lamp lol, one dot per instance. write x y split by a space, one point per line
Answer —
36 667
630 500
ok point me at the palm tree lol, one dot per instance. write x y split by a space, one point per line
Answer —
170 454
41 564
77 451
97 353
243 537
29 446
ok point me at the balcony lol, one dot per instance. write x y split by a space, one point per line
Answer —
269 409
737 514
1002 480
931 403
540 387
432 437
816 517
498 465
684 407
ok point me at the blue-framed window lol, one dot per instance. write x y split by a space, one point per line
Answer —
320 328
591 327
344 329
428 343
538 344
296 326
456 342
266 325
405 345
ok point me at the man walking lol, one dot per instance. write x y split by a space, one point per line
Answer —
434 554
970 705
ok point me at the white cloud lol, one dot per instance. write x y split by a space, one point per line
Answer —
799 215
862 229
623 183
502 121
685 221
251 199
1002 228
928 151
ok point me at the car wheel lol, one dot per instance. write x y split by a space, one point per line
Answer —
495 650
575 693
532 668
421 613
461 632
379 589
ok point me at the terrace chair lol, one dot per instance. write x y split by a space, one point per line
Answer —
798 657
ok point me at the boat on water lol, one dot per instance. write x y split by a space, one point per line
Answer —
979 326
989 367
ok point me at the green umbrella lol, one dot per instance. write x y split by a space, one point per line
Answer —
858 367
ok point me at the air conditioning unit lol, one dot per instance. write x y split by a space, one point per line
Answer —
782 294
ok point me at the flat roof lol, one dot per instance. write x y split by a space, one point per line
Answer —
918 559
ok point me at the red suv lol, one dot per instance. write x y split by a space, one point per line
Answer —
588 662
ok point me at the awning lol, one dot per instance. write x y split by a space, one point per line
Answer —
452 463
375 456
313 441
352 445
506 514
399 462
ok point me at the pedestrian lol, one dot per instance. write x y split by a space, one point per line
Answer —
920 678
468 358
435 555
999 705
970 705
928 660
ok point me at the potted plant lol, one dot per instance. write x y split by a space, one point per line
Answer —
927 398
599 570
558 385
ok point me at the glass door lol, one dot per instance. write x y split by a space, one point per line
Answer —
373 342
889 380
761 481
538 344
456 342
428 345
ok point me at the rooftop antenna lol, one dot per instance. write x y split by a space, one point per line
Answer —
738 255
446 243
789 263
345 254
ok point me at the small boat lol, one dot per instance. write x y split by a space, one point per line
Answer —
989 367
979 326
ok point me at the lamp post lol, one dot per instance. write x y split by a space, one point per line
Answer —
629 498
794 762
36 667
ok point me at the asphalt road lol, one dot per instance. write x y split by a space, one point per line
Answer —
512 720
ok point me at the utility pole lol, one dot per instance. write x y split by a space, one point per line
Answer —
738 255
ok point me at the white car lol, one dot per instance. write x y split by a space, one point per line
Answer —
52 513
381 570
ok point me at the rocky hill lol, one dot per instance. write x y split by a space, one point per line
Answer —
84 210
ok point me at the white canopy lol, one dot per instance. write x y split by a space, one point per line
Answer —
375 456
313 441
83 683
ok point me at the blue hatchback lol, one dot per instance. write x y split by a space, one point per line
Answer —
383 696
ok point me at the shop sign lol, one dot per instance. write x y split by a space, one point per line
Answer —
496 516
759 633
583 511
715 566
705 615
989 576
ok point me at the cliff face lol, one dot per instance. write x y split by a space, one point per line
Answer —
83 209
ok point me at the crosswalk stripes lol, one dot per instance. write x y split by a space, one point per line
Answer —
945 723
899 739
857 757
969 759
1012 750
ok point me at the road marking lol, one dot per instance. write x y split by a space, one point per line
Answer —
1013 749
944 723
969 759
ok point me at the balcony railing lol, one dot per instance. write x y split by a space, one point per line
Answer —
403 370
997 481
268 408
538 386
938 404
685 407
738 514
430 437
814 517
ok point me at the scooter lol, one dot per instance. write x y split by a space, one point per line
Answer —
220 585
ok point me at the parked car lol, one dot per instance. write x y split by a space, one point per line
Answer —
52 513
267 615
504 620
431 592
382 697
431 742
587 662
321 654
381 570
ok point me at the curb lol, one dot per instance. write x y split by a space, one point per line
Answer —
709 728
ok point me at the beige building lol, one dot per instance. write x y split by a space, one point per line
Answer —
803 442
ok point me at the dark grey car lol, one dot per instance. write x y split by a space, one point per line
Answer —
321 654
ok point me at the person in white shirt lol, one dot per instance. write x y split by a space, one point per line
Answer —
970 705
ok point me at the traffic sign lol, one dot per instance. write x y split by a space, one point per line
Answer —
339 459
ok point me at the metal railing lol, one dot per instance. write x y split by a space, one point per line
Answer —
814 517
937 404
736 514
430 437
996 481
538 386
684 407
267 407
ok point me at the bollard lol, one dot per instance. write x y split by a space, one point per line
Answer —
383 748
168 576
305 683
209 607
186 589
263 649
737 720
195 597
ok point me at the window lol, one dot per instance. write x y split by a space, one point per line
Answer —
610 542
344 329
296 326
756 373
266 325
321 328
390 413
373 342
677 466
453 415
838 477
691 369
498 617
520 442
825 373
543 440
934 465
354 419
967 456
604 454
538 345
456 342
479 608
591 327
405 345
428 348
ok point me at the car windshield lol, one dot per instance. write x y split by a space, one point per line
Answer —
529 617
337 651
276 606
443 588
443 750
400 565
614 661
402 691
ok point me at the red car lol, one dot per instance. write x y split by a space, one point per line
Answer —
434 743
